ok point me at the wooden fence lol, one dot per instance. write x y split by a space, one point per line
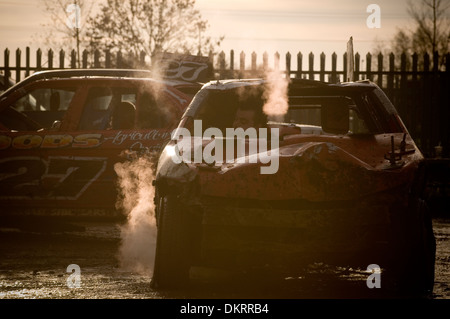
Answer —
420 92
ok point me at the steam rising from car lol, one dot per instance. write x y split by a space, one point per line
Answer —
276 96
138 235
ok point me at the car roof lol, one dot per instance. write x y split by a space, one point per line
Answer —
294 82
94 73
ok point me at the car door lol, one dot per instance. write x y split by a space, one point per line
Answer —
65 164
121 120
27 119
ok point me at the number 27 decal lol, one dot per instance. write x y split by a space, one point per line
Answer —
57 178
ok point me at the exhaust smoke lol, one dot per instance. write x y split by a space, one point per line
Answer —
276 96
138 235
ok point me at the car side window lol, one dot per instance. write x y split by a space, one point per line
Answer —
151 113
109 108
95 112
45 106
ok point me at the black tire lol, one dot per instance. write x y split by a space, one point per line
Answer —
172 258
412 262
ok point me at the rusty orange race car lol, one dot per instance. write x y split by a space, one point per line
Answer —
334 177
62 131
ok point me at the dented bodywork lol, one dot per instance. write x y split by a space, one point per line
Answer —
349 180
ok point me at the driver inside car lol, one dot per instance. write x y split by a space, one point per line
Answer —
249 116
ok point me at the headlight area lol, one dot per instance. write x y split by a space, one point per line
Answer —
174 176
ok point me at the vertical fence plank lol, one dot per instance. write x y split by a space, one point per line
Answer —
445 133
142 59
299 65
27 61
403 76
276 61
130 61
7 69
210 57
311 66
345 67
403 96
38 60
50 59
73 59
84 62
322 67
426 120
242 64
18 60
61 58
334 78
232 63
222 70
414 103
390 79
119 59
414 66
288 65
357 67
426 64
265 61
254 63
436 61
107 59
369 66
447 63
380 70
436 107
96 59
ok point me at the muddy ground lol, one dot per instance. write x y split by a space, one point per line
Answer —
34 265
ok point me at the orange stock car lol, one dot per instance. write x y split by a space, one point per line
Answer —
62 131
347 187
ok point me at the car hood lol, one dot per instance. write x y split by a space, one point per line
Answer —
316 168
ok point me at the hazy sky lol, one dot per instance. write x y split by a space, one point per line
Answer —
297 25
252 25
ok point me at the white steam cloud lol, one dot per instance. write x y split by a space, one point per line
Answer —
138 234
276 96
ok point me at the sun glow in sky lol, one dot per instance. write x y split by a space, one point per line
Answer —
307 26
252 25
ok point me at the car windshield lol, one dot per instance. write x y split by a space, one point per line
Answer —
219 108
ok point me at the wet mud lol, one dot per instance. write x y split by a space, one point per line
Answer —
34 265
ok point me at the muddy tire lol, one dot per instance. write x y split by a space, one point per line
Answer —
172 259
413 253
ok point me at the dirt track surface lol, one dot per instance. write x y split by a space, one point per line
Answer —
34 265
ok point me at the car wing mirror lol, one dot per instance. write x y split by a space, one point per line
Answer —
56 125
